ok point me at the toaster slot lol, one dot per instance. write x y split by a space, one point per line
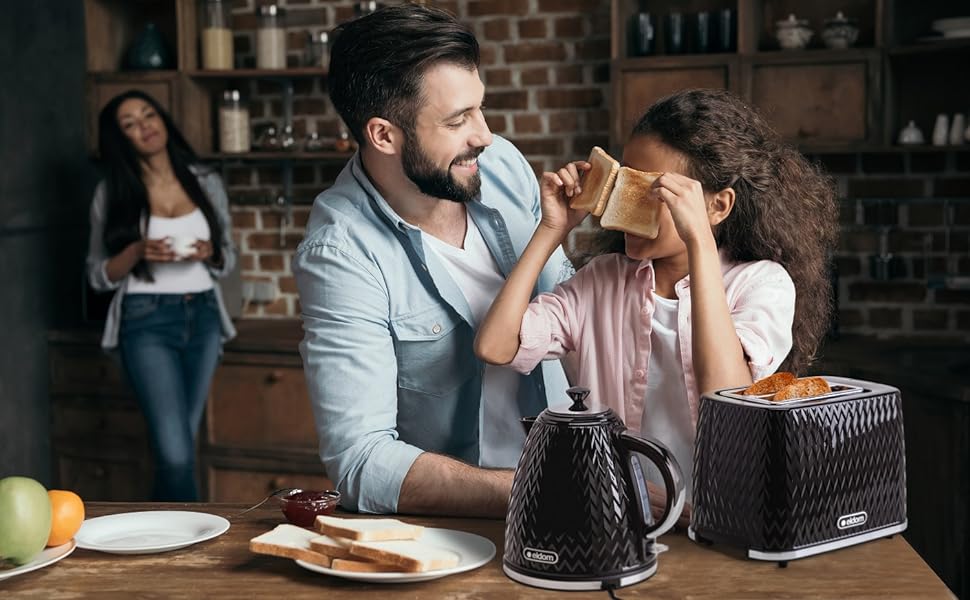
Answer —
838 390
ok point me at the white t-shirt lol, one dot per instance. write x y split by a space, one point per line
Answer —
179 277
666 414
477 275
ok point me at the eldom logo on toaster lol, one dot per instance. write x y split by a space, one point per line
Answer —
543 556
853 520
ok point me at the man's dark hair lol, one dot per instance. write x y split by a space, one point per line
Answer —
377 62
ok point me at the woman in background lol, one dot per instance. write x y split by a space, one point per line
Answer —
160 236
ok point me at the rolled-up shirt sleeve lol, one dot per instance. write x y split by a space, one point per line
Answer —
97 257
351 372
216 192
548 325
763 314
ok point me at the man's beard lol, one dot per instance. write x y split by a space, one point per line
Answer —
435 182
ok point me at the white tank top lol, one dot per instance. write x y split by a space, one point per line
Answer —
180 277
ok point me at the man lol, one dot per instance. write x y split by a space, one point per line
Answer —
402 257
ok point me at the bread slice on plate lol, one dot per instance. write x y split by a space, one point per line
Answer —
805 387
631 208
410 555
597 183
771 384
367 529
331 546
289 541
363 566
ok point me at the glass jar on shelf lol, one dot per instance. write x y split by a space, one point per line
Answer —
233 123
269 139
344 143
271 38
317 49
287 141
216 35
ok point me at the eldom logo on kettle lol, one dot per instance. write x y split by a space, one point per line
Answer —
853 520
542 556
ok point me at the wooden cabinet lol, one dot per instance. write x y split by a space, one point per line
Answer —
816 97
258 434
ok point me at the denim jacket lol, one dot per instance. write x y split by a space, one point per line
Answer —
387 347
98 255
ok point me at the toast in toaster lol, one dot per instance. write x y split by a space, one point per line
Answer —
771 384
597 183
805 387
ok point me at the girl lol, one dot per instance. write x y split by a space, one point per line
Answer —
734 287
167 317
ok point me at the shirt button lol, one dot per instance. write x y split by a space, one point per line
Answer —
639 374
436 329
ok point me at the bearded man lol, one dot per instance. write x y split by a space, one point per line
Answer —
401 260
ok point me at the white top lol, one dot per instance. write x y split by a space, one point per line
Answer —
477 275
180 277
666 417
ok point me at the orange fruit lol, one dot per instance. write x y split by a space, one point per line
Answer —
67 514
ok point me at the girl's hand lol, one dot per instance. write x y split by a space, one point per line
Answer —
158 250
555 191
688 206
203 250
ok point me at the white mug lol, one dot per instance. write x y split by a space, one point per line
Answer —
956 129
941 130
183 245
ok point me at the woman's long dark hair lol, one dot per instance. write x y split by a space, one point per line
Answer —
126 195
785 208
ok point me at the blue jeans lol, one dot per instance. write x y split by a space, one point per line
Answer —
170 345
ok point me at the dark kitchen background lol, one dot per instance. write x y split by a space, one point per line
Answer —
561 76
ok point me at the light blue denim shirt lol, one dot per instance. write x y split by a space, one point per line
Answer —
387 347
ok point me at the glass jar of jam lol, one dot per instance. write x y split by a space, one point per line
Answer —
301 507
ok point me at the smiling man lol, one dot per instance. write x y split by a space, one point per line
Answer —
401 260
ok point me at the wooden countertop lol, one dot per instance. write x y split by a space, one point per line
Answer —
225 568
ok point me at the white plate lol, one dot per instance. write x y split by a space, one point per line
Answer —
48 556
474 551
150 531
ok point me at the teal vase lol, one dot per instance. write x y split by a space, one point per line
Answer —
149 51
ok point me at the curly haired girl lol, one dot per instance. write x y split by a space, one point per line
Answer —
734 286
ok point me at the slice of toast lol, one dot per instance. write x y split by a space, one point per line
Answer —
331 546
363 566
289 541
771 384
597 183
409 555
631 208
369 530
805 387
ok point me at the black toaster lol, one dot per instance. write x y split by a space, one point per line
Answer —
789 479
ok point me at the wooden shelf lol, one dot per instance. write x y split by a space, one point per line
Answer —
811 56
280 156
294 73
941 45
134 76
668 61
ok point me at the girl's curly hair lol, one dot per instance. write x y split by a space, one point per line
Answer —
785 208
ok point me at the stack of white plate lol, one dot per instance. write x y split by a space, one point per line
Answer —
952 28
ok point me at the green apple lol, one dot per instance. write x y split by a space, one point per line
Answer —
25 519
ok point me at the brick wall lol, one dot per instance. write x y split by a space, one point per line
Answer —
546 68
915 207
545 64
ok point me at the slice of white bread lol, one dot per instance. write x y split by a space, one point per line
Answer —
631 208
409 555
289 541
596 183
331 546
367 530
363 566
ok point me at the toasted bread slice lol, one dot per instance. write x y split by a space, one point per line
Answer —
805 387
363 566
771 384
631 208
331 546
369 530
597 183
410 555
289 541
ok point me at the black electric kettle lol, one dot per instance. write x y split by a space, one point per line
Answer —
579 515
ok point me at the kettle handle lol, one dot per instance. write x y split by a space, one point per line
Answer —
673 480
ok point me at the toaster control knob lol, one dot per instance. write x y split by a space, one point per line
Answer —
578 394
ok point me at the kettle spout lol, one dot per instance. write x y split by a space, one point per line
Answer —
527 423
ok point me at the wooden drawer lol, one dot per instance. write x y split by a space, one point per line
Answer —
251 481
256 406
85 370
94 419
120 477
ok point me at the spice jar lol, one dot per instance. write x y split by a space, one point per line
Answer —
233 123
271 38
216 35
343 143
317 49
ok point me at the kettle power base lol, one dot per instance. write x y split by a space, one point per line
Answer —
806 551
579 585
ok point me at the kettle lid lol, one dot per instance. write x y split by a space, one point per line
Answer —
578 395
